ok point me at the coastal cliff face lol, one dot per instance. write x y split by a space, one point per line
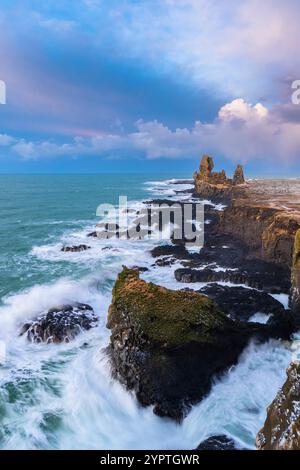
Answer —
281 430
263 214
295 292
268 232
166 345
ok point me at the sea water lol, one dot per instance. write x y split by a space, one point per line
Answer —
63 396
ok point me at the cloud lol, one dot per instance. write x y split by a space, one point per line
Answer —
6 140
244 48
241 132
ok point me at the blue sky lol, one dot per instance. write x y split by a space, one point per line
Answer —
149 85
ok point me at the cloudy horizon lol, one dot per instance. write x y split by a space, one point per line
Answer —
150 84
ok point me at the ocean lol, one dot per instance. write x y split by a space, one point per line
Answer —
63 396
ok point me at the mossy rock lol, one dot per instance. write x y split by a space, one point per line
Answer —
168 318
167 345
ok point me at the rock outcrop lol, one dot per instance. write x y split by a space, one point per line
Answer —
167 345
281 430
238 176
268 232
295 291
60 324
240 303
216 185
217 443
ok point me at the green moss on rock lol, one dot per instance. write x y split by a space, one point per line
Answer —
296 251
166 317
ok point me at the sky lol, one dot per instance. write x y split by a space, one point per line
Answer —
149 85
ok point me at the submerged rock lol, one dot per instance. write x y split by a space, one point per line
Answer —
281 430
167 345
221 442
60 324
75 248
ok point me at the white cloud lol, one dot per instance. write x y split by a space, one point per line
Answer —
247 48
241 132
5 140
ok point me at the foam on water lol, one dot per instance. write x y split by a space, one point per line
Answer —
63 396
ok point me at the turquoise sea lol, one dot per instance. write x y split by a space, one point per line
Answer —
63 396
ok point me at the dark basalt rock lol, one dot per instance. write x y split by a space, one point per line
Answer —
177 251
167 345
241 303
75 248
93 234
217 443
251 277
60 324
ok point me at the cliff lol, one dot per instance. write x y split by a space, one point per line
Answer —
264 214
281 430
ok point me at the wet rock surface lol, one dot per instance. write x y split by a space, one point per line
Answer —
221 442
241 303
249 277
75 248
60 324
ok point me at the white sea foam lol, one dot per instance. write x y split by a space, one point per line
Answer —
66 397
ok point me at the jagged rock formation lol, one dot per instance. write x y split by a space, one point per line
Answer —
60 324
166 345
295 291
216 185
238 177
281 430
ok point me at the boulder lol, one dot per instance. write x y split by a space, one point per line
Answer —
281 430
60 324
75 248
221 442
167 345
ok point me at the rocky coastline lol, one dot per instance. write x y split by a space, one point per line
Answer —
167 345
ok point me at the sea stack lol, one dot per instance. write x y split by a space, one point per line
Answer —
216 185
238 176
